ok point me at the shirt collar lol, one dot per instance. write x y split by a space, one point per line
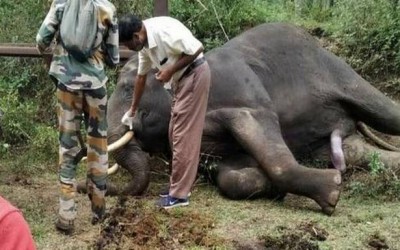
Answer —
151 43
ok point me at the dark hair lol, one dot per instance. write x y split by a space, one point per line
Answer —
128 25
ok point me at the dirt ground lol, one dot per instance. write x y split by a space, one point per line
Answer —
210 222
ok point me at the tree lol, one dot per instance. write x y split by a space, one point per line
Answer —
160 8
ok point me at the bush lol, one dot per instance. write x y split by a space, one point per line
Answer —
21 126
18 121
141 8
45 140
369 31
214 22
380 182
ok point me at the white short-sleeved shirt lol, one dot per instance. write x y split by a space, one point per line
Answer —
167 39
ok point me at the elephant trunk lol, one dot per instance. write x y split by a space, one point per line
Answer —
129 156
136 162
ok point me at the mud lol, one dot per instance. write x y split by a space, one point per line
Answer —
18 180
303 237
131 225
377 242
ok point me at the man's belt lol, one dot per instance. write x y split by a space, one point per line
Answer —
192 66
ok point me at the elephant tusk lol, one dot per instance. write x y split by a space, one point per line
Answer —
113 169
121 142
117 144
367 132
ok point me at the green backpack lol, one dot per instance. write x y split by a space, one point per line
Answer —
78 28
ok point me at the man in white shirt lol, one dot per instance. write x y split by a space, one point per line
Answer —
167 44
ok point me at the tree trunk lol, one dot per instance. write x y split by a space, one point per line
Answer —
160 8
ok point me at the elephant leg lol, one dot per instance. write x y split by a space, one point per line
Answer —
259 134
337 155
240 177
358 152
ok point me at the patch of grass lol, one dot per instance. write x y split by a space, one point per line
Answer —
221 223
352 225
28 163
259 218
378 182
375 165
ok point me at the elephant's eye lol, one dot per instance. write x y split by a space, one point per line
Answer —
144 114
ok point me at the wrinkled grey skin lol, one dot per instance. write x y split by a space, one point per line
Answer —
276 95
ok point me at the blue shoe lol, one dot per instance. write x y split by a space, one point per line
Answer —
170 202
164 194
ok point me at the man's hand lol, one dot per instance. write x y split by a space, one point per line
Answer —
47 53
127 119
40 48
43 49
164 75
48 58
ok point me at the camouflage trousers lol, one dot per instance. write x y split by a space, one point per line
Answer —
71 106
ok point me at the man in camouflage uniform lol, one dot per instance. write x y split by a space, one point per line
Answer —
81 89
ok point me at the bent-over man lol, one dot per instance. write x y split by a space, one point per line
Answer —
166 43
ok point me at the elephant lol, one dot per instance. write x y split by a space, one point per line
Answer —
276 95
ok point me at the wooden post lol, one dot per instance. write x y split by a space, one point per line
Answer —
160 8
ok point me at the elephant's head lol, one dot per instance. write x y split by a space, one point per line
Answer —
150 125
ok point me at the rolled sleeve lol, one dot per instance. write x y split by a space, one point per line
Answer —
144 63
112 41
48 28
186 44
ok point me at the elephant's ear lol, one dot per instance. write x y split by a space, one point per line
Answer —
131 65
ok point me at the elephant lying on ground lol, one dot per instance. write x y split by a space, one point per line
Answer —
276 95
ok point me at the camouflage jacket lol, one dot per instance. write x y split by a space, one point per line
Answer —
64 68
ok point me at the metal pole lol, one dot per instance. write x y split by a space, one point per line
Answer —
160 8
29 50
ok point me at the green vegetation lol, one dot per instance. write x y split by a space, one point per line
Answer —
369 31
364 33
376 165
217 222
378 182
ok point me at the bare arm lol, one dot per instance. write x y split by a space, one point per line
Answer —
166 74
185 60
140 84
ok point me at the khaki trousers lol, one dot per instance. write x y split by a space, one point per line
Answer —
189 106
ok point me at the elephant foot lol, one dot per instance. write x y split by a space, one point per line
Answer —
329 193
